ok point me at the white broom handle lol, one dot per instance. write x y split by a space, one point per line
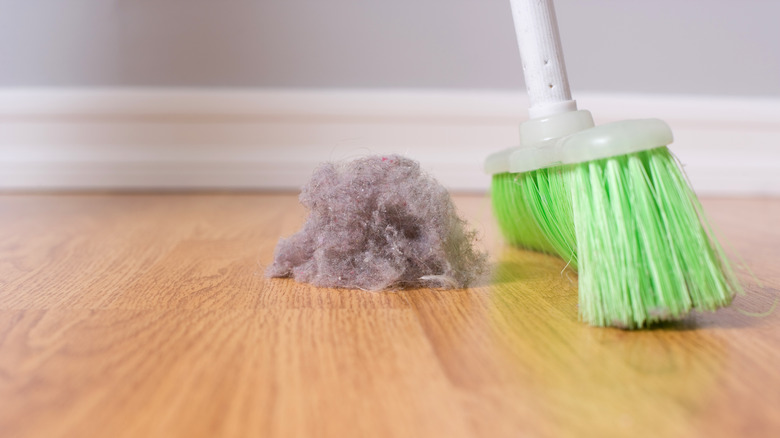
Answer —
542 56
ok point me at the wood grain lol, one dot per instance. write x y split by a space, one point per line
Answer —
148 315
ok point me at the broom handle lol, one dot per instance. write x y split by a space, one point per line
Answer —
542 57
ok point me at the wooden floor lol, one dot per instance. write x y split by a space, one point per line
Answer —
149 316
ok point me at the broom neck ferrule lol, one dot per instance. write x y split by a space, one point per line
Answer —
555 126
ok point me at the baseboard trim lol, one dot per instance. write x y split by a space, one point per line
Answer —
64 139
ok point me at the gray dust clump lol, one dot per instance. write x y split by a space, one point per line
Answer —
376 223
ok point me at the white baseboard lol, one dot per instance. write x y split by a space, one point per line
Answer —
272 139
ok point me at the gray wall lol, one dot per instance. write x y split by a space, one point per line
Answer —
665 46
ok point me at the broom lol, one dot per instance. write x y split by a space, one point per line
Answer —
610 200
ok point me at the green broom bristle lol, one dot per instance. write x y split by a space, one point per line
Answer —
516 219
547 196
633 227
646 252
534 211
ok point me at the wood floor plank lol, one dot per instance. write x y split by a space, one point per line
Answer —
148 315
203 373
